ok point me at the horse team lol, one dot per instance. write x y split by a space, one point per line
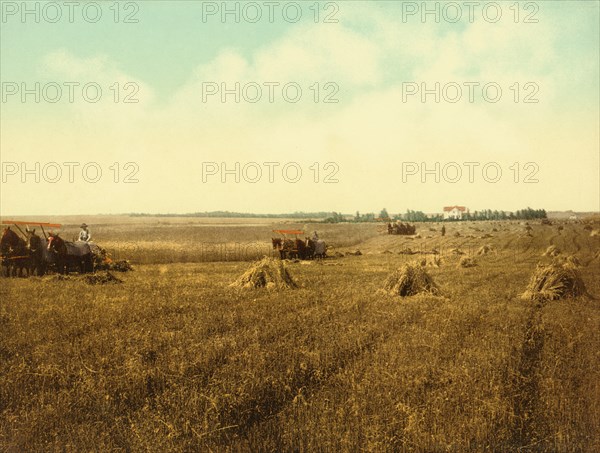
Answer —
39 255
401 228
298 249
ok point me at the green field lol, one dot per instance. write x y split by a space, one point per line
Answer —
174 359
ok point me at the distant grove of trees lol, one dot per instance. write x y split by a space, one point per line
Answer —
337 217
420 216
521 214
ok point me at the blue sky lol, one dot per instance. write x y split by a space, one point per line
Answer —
367 56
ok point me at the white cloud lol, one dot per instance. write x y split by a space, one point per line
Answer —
369 133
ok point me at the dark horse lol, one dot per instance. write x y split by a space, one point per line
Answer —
309 249
40 257
70 255
15 256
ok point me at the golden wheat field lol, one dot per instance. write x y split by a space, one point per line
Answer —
176 359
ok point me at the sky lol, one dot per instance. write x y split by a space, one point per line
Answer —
275 107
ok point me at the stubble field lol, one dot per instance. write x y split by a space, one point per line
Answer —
173 359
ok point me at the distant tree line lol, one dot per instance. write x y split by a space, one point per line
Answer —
225 214
420 216
338 217
521 214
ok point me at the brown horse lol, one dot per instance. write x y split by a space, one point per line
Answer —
15 256
278 245
287 248
70 255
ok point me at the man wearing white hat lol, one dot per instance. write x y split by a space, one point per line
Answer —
84 234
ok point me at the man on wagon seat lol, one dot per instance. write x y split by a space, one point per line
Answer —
84 234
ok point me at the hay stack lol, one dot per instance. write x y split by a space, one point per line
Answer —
466 261
268 273
485 249
552 251
554 281
408 280
595 233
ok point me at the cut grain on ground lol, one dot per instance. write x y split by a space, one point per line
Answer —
467 261
485 249
552 251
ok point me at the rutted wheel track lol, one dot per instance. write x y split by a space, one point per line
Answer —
529 429
576 244
263 407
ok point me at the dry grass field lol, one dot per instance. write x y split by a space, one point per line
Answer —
174 359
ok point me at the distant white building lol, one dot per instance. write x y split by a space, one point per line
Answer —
454 212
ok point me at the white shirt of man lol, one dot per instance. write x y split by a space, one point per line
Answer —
85 235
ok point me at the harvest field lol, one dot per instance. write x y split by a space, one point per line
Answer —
175 359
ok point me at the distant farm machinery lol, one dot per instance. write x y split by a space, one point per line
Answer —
307 249
23 252
401 228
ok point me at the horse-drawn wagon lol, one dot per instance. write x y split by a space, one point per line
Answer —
400 228
28 253
297 248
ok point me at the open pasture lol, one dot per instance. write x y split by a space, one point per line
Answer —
174 359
